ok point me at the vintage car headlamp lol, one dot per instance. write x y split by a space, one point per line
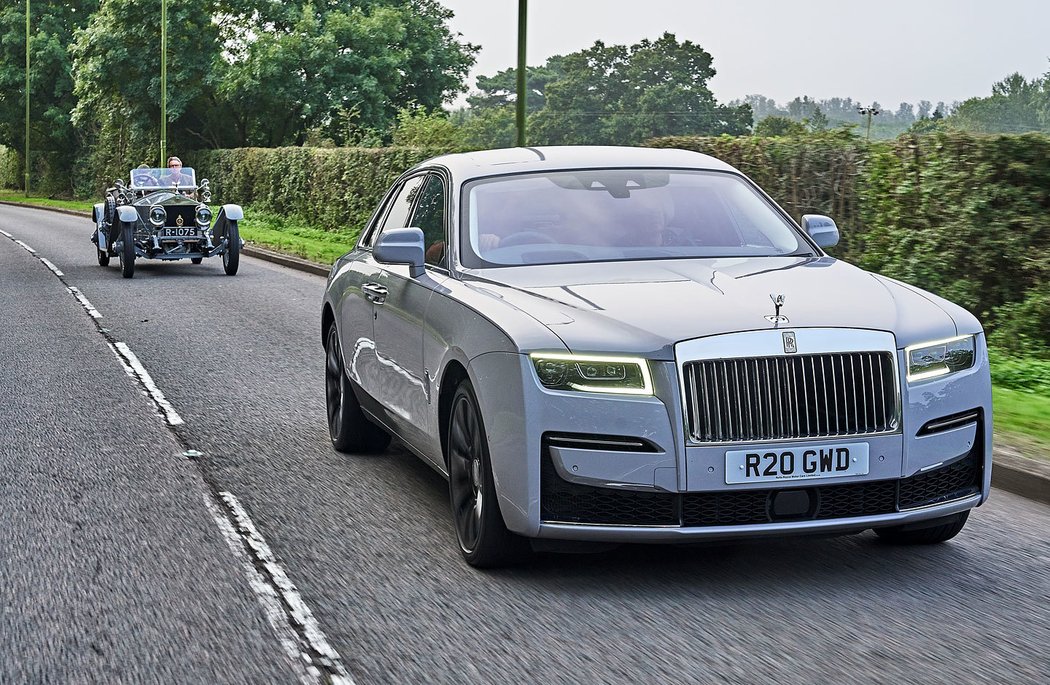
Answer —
203 216
157 215
940 358
593 373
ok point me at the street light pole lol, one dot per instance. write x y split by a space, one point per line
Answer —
523 10
163 83
27 101
870 111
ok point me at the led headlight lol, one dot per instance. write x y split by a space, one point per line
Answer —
593 373
157 215
203 216
939 358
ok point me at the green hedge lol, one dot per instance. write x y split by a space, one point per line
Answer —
965 216
332 188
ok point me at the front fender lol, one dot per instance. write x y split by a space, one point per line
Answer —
127 214
233 212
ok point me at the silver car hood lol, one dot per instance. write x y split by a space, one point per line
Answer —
645 307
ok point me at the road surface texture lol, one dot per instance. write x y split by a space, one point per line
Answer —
265 556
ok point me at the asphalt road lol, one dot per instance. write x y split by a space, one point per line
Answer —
269 557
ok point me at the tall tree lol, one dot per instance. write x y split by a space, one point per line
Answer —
52 26
622 95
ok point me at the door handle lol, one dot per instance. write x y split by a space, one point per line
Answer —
374 293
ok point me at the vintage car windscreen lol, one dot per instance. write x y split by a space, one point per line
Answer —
151 179
619 214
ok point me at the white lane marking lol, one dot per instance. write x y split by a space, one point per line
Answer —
7 234
26 247
75 292
300 612
266 595
51 266
132 362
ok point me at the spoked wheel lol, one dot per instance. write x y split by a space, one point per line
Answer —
103 257
127 251
348 427
942 530
231 258
483 537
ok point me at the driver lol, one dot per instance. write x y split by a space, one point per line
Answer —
175 176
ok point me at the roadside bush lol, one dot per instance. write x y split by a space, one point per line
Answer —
1020 373
333 188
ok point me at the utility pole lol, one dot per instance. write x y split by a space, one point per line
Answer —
523 10
163 83
27 100
870 111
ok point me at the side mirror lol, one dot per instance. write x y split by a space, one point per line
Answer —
401 246
821 229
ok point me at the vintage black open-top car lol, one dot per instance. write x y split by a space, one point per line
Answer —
164 215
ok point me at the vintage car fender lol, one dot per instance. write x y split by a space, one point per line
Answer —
127 214
98 212
233 212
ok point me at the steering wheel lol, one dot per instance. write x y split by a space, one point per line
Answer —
527 238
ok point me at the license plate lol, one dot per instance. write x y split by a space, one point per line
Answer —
178 232
772 463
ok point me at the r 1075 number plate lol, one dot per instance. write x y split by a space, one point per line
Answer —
178 232
791 462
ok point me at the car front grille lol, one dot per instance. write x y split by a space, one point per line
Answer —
565 502
188 213
778 398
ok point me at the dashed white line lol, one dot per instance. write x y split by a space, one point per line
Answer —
132 362
75 292
48 264
265 593
300 612
25 247
7 234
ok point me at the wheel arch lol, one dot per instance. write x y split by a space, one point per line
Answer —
327 319
454 374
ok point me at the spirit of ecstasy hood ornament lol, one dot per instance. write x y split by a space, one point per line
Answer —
778 302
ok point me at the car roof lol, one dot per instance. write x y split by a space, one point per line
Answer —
467 165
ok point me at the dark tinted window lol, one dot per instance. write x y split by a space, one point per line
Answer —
400 207
430 218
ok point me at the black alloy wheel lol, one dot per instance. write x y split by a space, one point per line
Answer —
231 258
348 427
127 250
941 530
483 537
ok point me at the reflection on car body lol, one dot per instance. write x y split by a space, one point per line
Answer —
637 345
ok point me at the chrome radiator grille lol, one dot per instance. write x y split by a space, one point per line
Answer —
777 398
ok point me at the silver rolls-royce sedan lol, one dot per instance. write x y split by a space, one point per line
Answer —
639 345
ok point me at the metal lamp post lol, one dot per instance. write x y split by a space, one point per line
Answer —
163 82
27 101
870 112
523 10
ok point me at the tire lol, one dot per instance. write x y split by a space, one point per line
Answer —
103 257
483 537
942 530
231 258
127 251
196 260
348 427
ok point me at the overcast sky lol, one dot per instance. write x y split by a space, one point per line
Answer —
878 50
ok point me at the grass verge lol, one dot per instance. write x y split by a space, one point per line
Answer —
267 230
1022 419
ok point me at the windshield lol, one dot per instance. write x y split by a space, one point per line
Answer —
620 214
150 179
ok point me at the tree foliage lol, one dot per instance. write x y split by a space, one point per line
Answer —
51 86
617 94
1016 105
